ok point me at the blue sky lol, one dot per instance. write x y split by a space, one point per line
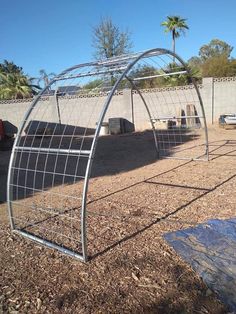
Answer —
55 34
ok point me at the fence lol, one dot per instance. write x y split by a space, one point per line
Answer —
219 97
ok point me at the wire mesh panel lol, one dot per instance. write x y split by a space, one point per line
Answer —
52 156
175 106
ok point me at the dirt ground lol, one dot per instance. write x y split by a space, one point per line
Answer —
132 268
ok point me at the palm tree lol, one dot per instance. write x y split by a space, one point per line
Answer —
15 86
44 77
177 26
14 83
10 67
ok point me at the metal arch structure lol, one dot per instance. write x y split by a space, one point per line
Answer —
39 145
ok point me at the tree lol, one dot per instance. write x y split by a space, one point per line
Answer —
219 66
195 62
44 77
232 67
214 60
176 79
195 66
10 67
144 71
93 84
109 41
160 79
215 48
176 25
14 83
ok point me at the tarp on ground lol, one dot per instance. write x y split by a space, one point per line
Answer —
210 248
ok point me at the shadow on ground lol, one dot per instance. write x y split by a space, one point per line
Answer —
115 154
117 281
154 221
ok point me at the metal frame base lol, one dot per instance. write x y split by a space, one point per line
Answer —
50 244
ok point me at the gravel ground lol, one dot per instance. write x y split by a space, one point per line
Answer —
132 268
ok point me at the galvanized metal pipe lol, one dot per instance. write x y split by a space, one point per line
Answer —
53 150
158 75
133 58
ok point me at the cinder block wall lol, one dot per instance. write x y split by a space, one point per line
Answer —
219 96
13 112
224 96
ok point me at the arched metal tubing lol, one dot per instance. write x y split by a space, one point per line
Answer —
16 142
103 113
130 60
148 112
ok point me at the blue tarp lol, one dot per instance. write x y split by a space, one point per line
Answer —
210 248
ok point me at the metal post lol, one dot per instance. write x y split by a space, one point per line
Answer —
57 104
132 105
204 119
149 115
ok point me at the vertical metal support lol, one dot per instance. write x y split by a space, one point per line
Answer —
200 100
212 101
92 153
83 209
149 114
16 143
204 118
58 108
132 105
10 192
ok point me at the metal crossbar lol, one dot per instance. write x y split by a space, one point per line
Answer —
45 191
128 57
50 172
49 211
176 117
158 75
87 74
53 150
